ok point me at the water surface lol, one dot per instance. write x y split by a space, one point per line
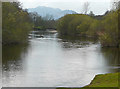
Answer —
53 62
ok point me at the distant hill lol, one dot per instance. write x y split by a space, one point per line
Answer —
48 11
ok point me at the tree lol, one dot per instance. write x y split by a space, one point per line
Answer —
16 23
91 13
86 7
115 5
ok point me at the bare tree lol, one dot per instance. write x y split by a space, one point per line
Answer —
86 7
115 4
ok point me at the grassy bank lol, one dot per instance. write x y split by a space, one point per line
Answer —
105 80
102 80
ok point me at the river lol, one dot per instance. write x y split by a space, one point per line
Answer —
54 62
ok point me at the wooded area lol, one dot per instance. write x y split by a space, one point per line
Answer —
17 23
104 27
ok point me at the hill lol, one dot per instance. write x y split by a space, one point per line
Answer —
55 13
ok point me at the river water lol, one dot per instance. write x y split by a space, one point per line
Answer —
54 62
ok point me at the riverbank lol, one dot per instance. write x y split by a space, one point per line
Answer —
102 80
105 80
85 25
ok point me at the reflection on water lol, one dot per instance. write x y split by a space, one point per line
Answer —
52 61
112 56
12 61
76 42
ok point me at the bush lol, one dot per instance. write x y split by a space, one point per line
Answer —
109 37
16 23
106 28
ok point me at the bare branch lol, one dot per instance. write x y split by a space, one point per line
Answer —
86 7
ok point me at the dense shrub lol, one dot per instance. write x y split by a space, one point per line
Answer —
106 29
16 23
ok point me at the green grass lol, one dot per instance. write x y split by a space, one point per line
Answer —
105 80
102 80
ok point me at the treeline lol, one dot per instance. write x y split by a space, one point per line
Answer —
17 23
105 28
43 23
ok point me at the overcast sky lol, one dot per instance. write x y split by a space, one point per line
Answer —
97 6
